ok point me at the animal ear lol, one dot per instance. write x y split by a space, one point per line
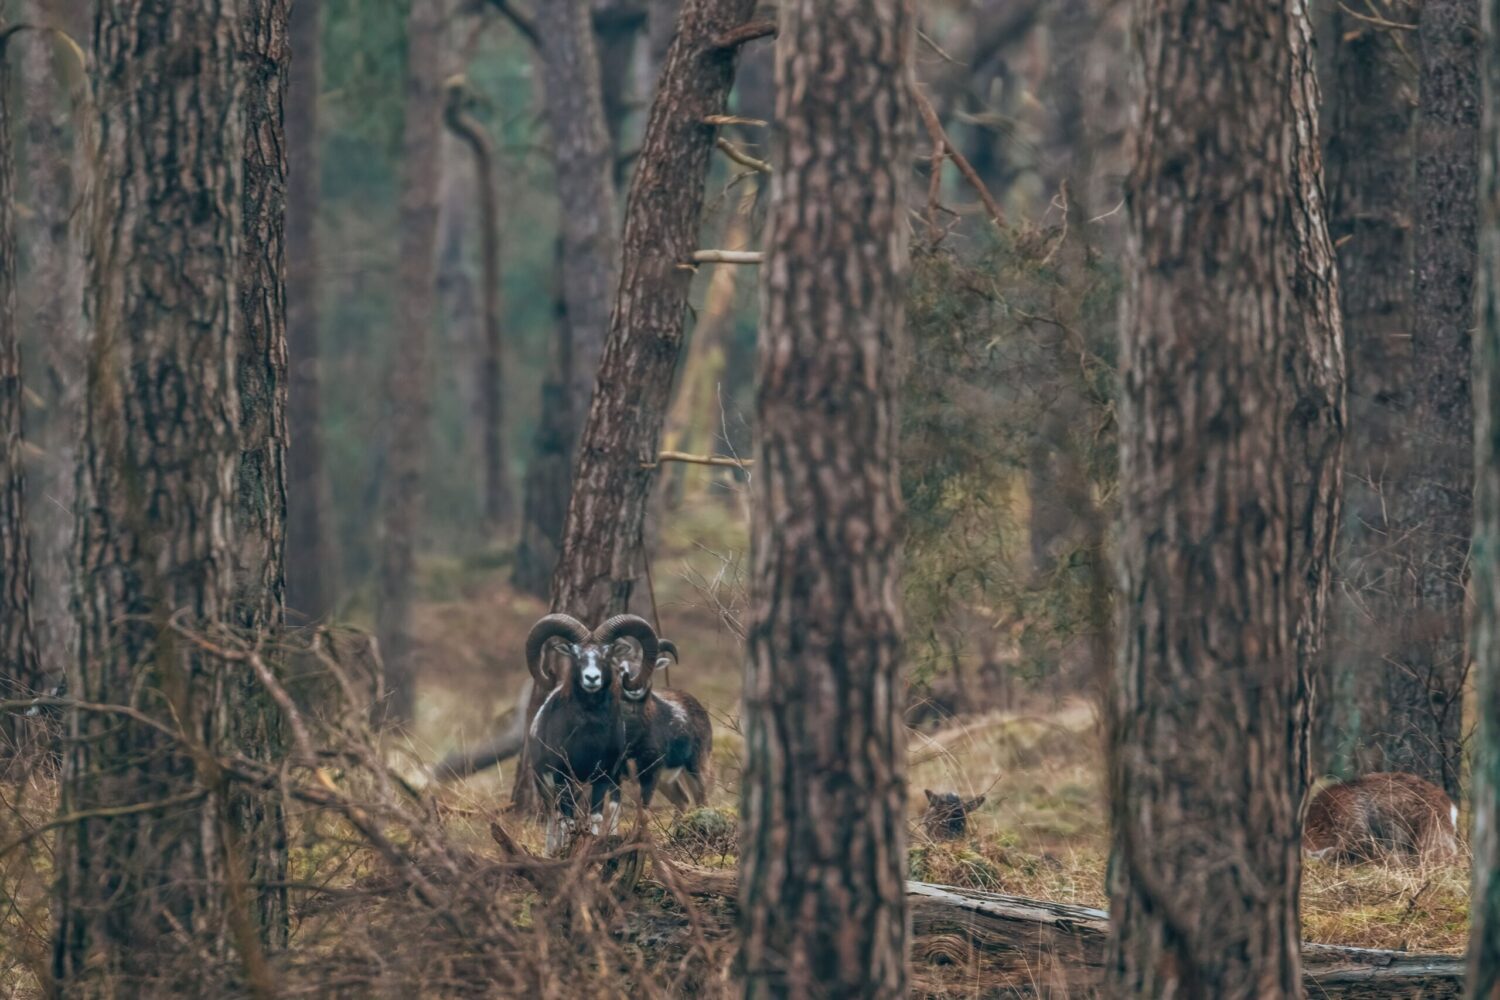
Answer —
973 804
931 799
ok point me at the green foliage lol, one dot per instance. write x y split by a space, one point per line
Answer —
1011 364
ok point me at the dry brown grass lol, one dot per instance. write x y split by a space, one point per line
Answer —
360 929
1042 831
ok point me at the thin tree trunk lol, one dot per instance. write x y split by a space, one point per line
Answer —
618 25
544 500
19 672
1231 428
602 555
823 853
309 542
499 502
260 501
1369 152
410 403
1427 677
1484 910
602 552
52 302
584 159
150 886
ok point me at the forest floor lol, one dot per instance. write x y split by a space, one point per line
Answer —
1041 832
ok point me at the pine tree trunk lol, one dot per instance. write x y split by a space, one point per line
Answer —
18 650
1369 153
260 499
584 159
1231 424
51 301
823 850
309 535
1483 978
499 502
602 542
149 898
409 391
1426 683
602 554
618 25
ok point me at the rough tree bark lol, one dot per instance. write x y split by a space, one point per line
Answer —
823 851
602 552
151 884
260 501
309 541
1484 910
18 649
602 537
584 159
1369 171
52 302
1231 427
410 402
1425 679
499 502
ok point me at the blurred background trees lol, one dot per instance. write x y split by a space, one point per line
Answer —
446 316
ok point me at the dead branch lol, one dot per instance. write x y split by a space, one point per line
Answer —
724 461
747 32
741 157
727 256
1010 942
520 19
940 138
732 120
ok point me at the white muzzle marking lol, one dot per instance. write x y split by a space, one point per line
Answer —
592 677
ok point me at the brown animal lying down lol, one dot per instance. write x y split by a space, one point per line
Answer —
947 815
1381 817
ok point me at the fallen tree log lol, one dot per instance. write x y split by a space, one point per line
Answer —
971 943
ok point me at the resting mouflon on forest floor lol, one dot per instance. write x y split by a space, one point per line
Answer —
1041 833
1381 817
947 815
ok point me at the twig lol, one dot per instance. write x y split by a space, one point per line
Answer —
520 19
741 157
732 120
684 457
939 137
934 46
727 256
105 812
748 32
1376 20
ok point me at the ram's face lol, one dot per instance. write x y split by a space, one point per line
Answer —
592 664
625 666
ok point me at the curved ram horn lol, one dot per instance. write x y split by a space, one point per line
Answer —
550 627
637 628
666 647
